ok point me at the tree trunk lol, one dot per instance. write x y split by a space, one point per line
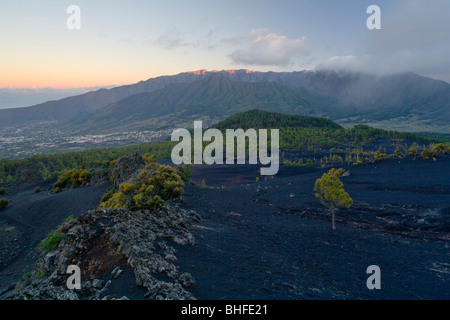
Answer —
333 220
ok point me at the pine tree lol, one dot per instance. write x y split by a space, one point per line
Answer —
330 191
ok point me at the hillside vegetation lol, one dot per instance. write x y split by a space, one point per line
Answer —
303 141
211 99
39 168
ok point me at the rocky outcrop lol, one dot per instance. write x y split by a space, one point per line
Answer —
106 243
126 168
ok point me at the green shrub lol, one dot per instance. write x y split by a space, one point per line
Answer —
440 149
57 190
427 153
52 240
185 172
37 189
69 218
120 199
153 185
4 203
380 156
73 178
2 191
293 163
412 151
149 158
107 195
26 275
398 153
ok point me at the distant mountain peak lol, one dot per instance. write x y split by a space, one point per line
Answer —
198 72
234 71
229 71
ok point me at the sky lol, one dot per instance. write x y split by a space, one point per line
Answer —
123 42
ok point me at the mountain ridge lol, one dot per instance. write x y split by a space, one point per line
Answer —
211 99
408 100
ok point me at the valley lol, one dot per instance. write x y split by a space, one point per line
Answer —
48 137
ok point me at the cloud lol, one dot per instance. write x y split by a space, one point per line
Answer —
173 39
415 38
268 48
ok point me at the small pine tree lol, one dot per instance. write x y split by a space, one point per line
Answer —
331 193
203 184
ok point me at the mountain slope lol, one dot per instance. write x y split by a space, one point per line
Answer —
406 101
211 99
70 108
